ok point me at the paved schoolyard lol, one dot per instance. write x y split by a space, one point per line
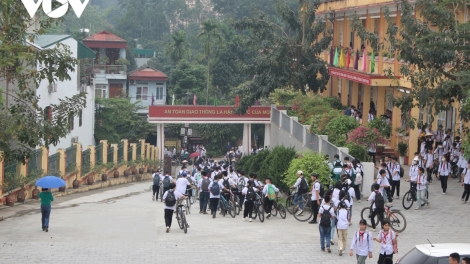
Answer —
123 225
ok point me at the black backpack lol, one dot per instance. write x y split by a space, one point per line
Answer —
156 179
402 172
250 194
346 195
166 181
303 187
325 220
379 200
226 184
205 184
170 199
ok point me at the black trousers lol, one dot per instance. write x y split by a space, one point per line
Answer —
395 185
168 217
242 199
165 189
315 210
380 213
156 190
429 171
372 154
382 258
466 191
389 194
357 191
444 183
248 209
213 203
268 205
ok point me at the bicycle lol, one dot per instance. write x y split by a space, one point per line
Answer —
278 207
226 207
160 193
235 200
258 210
307 210
187 202
181 218
396 218
290 202
192 198
410 197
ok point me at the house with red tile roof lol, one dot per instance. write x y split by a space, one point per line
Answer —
147 86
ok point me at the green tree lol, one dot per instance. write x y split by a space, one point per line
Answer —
117 118
288 51
339 127
211 36
24 124
308 162
178 48
188 77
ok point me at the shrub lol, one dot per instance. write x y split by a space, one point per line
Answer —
308 162
364 136
382 127
357 151
339 127
276 164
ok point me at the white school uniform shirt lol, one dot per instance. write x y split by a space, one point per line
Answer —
462 161
233 176
363 244
333 202
386 247
429 160
395 171
214 173
336 194
421 180
181 184
440 152
342 215
372 199
352 194
466 177
221 186
315 188
265 189
297 183
177 196
444 170
245 191
423 149
414 173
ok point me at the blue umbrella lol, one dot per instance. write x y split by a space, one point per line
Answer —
50 182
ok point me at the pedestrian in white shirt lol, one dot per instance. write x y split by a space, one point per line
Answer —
302 187
170 204
250 197
443 173
383 181
203 185
215 188
413 176
421 186
316 197
395 170
466 184
343 216
362 242
462 164
269 192
377 201
182 183
429 158
387 239
324 227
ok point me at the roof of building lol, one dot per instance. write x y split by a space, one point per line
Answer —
147 73
104 36
46 41
85 52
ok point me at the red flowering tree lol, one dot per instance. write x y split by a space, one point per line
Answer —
365 136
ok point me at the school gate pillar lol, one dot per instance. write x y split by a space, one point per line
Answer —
267 135
161 141
246 139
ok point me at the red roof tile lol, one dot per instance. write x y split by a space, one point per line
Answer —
147 73
104 36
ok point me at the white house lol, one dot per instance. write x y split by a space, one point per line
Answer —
83 125
147 86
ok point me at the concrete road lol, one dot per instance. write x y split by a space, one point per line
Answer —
123 225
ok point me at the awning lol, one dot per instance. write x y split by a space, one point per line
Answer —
84 52
362 77
143 52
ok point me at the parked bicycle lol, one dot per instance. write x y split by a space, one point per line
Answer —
180 216
226 206
410 197
278 207
396 218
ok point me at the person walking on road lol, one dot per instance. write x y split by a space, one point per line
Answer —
378 204
421 186
388 240
46 199
215 188
466 183
156 184
362 242
302 187
170 198
343 216
326 215
166 181
316 197
395 183
203 186
249 192
443 173
269 192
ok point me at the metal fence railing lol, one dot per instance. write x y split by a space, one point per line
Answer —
86 163
129 152
11 167
35 161
121 152
328 148
99 154
285 123
70 159
276 115
139 150
53 165
311 141
298 131
110 154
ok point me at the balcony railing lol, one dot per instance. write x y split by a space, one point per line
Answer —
110 69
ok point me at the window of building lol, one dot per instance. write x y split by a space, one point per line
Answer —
142 93
441 118
389 102
80 120
341 36
351 40
100 91
71 119
159 93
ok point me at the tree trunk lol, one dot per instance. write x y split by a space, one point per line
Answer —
208 74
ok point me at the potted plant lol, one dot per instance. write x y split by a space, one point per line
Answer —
400 131
385 55
103 61
11 182
30 180
141 163
402 148
124 62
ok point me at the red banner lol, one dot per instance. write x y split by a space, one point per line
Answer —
355 77
213 114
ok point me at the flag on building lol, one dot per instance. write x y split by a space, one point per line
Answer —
341 59
194 100
372 62
348 59
364 60
335 62
356 61
173 100
237 100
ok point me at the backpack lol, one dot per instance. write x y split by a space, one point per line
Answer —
250 194
347 196
226 184
379 200
322 191
347 112
205 184
271 192
402 172
325 220
215 188
156 179
358 179
303 187
170 199
166 181
241 183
